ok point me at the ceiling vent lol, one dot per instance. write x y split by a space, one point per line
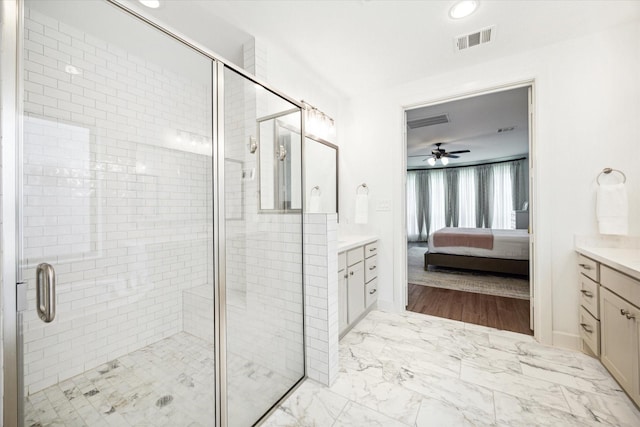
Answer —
428 121
476 38
509 129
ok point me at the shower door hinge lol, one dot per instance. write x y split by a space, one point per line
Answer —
21 296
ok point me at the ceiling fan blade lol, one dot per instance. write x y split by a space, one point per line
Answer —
459 151
452 157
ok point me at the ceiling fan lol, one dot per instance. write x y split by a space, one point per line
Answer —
443 155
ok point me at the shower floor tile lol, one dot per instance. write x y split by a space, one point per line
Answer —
168 383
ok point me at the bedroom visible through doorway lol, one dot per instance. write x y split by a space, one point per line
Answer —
468 207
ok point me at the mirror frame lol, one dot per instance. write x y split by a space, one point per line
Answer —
282 124
337 149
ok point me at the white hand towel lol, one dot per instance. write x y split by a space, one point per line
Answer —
314 203
612 209
362 209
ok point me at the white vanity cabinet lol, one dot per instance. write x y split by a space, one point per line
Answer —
355 284
357 281
610 317
342 292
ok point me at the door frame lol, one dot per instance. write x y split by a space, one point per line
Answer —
539 312
10 133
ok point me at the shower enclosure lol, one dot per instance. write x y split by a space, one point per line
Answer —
152 287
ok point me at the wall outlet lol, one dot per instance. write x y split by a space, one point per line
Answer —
383 206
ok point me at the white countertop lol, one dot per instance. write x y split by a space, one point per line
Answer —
624 260
349 242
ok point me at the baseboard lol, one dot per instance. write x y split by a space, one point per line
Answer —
566 340
385 305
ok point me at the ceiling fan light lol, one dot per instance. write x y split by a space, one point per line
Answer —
431 161
444 161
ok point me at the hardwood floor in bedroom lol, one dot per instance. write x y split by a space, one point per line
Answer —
488 310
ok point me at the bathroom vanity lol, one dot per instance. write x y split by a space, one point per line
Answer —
357 279
610 311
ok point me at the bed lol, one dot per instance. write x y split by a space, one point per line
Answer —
491 250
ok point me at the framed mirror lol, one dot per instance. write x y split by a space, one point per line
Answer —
321 175
280 162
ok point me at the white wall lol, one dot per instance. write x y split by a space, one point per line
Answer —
587 107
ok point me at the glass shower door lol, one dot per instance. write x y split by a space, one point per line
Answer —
262 257
117 200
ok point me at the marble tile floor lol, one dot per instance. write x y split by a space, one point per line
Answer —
168 383
416 370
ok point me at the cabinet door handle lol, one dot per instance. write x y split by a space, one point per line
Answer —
585 266
351 273
624 312
346 276
630 316
587 293
373 291
372 249
586 328
373 267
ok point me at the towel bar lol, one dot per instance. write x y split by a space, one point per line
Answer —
607 171
363 185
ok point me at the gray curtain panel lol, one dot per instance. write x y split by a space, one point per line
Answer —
423 197
451 214
484 196
520 187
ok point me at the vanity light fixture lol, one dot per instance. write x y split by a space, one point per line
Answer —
463 8
318 123
153 4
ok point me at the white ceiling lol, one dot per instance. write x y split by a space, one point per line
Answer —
473 125
362 45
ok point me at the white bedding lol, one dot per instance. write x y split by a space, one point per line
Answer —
507 244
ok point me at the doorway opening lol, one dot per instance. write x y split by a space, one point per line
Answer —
469 209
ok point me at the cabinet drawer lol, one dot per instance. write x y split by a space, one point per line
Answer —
588 267
589 295
623 285
590 331
371 249
342 261
370 268
354 256
371 292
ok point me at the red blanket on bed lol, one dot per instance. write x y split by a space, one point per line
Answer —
467 237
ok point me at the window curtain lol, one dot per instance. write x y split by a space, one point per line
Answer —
481 196
437 207
418 196
519 187
484 196
452 212
413 232
467 208
502 196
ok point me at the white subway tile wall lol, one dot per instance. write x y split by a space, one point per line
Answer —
117 196
321 296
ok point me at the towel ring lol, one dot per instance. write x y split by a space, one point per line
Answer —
364 186
316 188
607 171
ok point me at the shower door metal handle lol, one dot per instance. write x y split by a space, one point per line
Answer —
46 292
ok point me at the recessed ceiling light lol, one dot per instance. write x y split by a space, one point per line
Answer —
153 4
463 9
